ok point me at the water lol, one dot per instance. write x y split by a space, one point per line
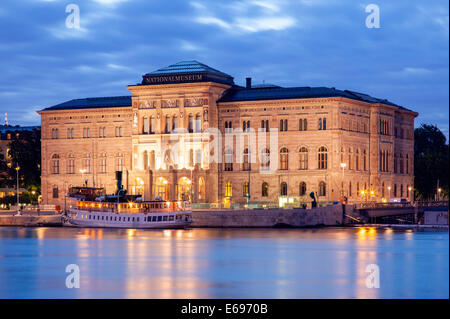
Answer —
223 263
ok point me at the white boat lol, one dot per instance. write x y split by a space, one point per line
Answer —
92 208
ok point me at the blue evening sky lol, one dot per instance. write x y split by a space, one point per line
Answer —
289 43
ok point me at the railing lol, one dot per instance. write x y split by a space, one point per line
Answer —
373 205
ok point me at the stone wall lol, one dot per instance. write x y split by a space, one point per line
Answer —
31 221
329 216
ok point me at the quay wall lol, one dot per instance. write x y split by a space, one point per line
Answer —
31 221
321 216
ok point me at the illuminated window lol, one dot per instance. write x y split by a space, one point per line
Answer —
265 189
228 189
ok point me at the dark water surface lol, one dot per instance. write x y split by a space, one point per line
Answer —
223 263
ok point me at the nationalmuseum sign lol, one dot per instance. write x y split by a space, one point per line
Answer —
185 78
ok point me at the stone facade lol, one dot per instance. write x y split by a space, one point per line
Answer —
164 140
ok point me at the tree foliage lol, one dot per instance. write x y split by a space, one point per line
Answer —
431 160
26 153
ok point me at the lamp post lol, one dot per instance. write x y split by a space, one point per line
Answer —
18 202
439 193
410 194
343 165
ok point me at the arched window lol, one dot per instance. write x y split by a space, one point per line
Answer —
246 162
175 124
364 160
228 160
71 164
322 189
284 159
322 158
119 162
265 159
302 189
145 126
302 124
191 123
283 189
198 123
103 163
265 189
245 190
152 125
303 158
55 164
168 126
350 158
407 164
228 189
357 159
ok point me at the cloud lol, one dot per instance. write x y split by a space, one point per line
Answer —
289 43
248 16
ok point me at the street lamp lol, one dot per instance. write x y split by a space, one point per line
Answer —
343 165
439 193
410 194
18 203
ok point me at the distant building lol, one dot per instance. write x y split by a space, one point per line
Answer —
9 133
331 142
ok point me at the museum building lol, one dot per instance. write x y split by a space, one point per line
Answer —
188 132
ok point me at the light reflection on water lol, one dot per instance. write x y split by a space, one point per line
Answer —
223 263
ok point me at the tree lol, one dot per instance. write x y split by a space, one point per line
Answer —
26 153
431 160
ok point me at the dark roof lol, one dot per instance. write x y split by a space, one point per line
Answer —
239 94
93 102
186 72
185 67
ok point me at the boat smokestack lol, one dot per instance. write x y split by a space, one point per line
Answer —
118 181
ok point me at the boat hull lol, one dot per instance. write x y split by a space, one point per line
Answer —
82 218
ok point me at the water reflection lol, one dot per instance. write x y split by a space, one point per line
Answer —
223 263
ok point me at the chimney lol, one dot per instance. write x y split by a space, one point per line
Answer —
248 83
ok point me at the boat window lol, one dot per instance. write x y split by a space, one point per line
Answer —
103 217
154 219
165 218
137 219
171 217
133 218
159 218
128 218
